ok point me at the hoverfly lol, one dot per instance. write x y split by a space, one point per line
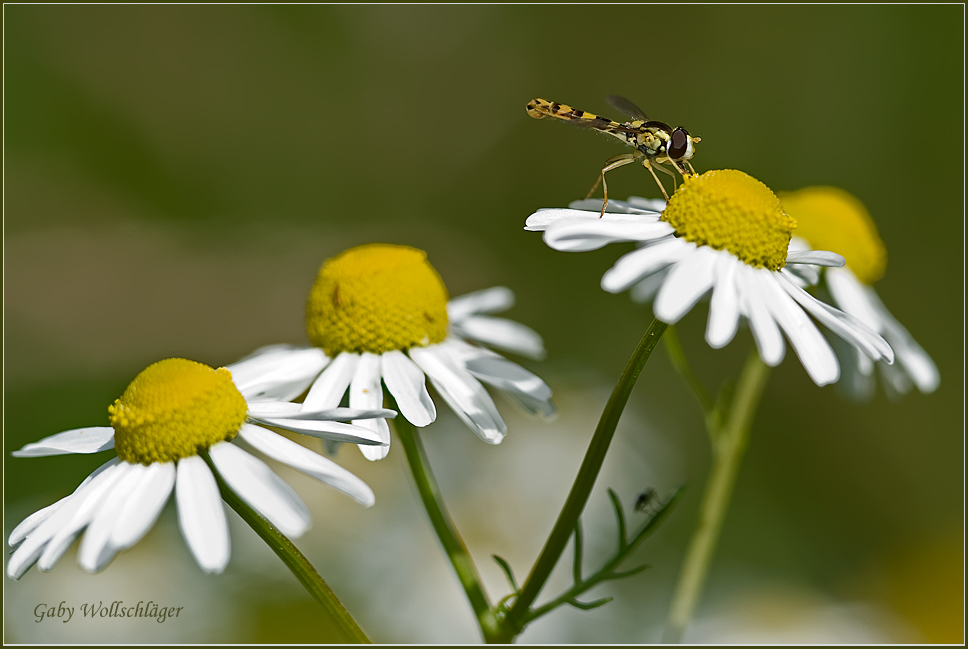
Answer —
655 142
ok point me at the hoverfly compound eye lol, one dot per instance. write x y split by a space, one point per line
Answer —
680 146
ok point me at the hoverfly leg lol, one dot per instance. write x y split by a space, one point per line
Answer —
689 164
647 165
656 165
612 163
682 172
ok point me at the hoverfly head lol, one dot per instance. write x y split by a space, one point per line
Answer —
680 144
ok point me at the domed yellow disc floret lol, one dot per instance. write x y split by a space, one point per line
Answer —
832 219
174 409
730 210
377 298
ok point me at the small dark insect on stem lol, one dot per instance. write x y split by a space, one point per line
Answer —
645 500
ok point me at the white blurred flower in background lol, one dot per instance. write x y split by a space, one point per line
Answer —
831 218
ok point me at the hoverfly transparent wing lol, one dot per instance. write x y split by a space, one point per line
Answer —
626 107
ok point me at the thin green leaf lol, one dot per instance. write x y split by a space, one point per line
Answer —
620 516
590 605
629 573
576 567
506 567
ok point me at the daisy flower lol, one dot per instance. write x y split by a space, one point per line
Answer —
173 411
379 315
828 217
724 232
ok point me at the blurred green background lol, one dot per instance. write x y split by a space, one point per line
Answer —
175 175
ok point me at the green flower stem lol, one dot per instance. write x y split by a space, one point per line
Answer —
685 370
456 551
294 560
728 447
580 490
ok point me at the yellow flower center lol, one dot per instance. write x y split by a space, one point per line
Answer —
832 219
729 210
174 409
377 298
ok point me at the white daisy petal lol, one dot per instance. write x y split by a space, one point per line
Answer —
862 302
912 357
527 389
334 431
896 382
261 488
850 296
910 354
97 550
854 384
144 505
797 244
644 291
30 550
634 205
201 515
288 410
503 334
27 554
488 300
367 393
343 414
656 205
816 257
582 234
804 274
811 347
267 355
329 388
465 355
864 363
81 509
844 325
540 220
462 392
278 371
29 524
546 217
687 283
640 263
36 541
408 385
273 408
724 307
308 462
80 440
766 334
